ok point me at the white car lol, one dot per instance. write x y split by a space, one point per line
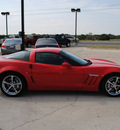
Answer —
11 45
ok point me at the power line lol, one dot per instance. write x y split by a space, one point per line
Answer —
102 9
67 12
45 13
43 9
68 8
102 6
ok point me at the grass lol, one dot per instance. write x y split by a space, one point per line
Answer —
104 47
100 40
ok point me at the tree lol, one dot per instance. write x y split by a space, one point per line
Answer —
82 37
104 37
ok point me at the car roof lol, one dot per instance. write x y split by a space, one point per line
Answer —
10 39
46 38
48 49
46 41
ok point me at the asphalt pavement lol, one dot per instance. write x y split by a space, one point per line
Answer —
98 43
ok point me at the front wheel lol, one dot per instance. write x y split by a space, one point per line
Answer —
12 84
111 85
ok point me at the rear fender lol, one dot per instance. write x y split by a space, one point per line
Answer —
26 74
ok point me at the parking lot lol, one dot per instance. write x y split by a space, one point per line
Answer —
58 110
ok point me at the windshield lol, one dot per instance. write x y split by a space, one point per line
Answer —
29 37
46 41
75 58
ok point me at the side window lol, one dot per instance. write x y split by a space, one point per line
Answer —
63 37
35 37
49 58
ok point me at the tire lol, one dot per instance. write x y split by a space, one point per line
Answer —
29 44
12 84
111 85
68 44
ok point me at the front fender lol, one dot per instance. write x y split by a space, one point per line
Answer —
111 70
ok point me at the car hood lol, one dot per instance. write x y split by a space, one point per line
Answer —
102 62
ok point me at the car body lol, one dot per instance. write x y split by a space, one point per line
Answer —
46 42
56 69
14 36
72 38
62 40
11 45
31 40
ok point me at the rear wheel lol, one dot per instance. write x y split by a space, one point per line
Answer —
12 84
68 44
111 85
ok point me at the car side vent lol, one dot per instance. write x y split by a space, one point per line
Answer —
91 79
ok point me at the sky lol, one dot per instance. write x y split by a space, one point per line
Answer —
55 16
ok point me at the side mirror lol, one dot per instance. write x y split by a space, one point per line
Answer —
66 65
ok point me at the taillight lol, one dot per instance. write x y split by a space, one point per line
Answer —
58 46
35 47
3 46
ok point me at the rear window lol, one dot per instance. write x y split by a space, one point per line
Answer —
30 37
22 55
13 41
46 41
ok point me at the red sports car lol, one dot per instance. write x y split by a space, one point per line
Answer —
56 69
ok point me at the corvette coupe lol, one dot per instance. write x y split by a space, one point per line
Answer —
56 69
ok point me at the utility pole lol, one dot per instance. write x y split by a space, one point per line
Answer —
75 10
6 14
22 24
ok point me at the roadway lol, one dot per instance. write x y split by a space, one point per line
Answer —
98 43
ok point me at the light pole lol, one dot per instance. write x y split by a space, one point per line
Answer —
6 13
22 24
75 10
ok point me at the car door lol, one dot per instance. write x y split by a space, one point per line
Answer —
46 72
72 77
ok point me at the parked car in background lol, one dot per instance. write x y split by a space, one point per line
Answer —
14 36
62 40
46 42
11 45
72 38
31 40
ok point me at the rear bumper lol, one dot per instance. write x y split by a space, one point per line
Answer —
7 51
